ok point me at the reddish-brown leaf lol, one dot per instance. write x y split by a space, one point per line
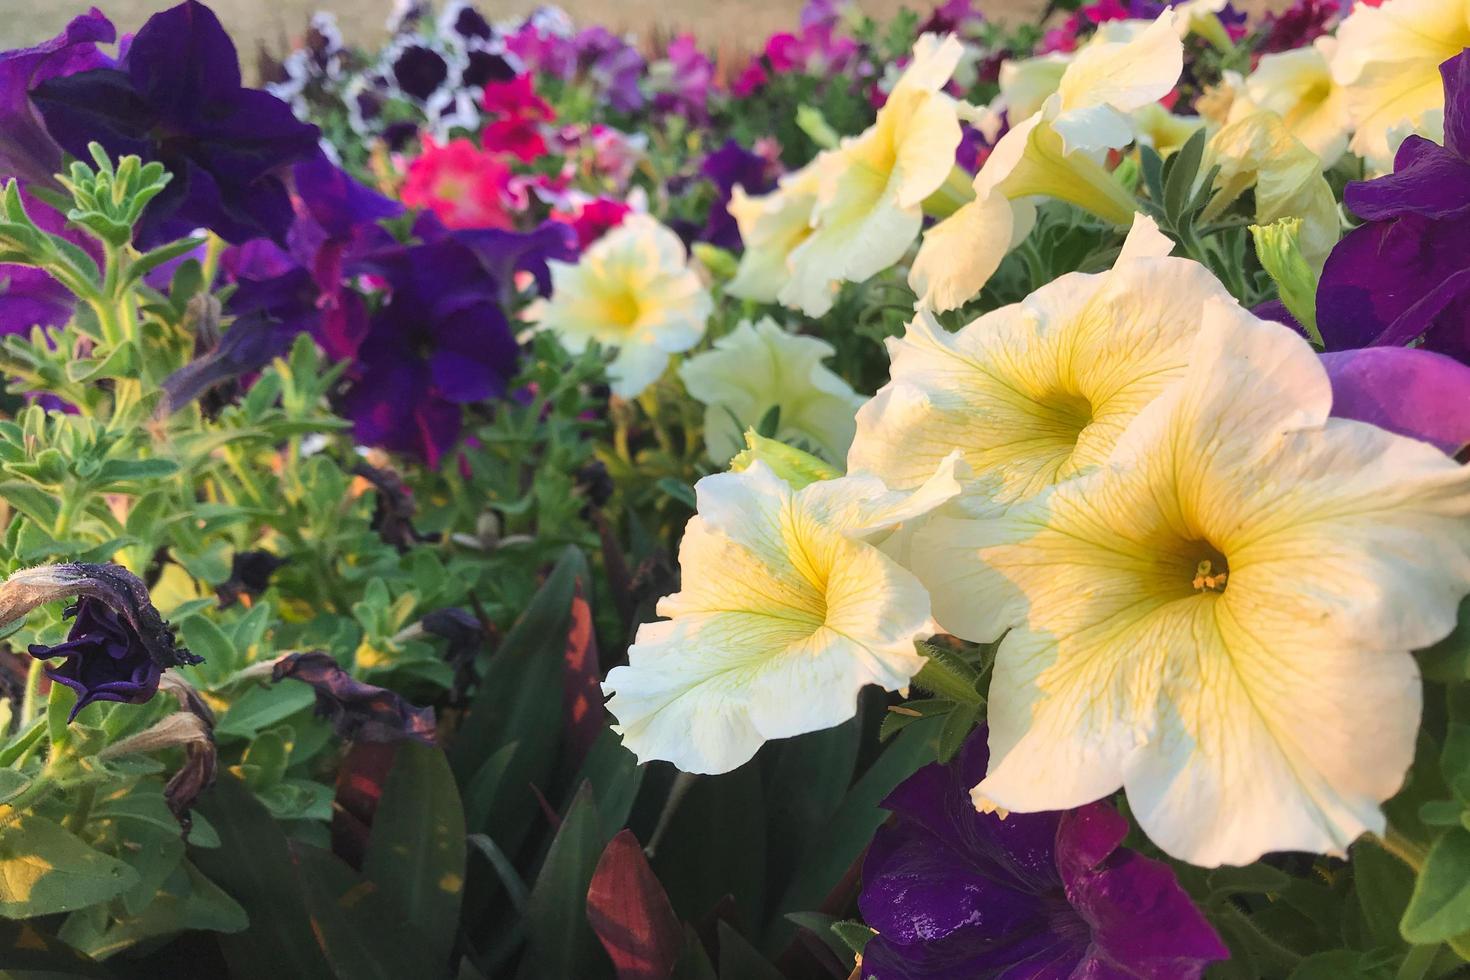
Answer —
581 692
631 914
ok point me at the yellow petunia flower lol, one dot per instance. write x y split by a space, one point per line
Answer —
1220 619
787 610
1259 151
632 290
771 227
757 367
1056 153
1388 60
1040 390
1297 85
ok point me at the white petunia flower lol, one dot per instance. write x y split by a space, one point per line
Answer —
786 612
755 368
632 290
1220 619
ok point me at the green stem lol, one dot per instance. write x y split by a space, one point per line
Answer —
73 500
30 705
30 796
1402 848
77 818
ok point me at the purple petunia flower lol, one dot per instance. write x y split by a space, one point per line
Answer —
614 65
682 80
27 151
1299 25
1407 390
176 97
1405 274
730 166
1035 896
439 341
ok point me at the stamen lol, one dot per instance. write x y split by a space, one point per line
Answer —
1204 581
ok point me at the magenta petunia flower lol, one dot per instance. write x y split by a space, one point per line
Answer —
1034 896
176 97
1405 273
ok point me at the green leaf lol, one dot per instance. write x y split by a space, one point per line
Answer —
361 932
1181 170
121 470
45 869
820 925
1255 879
1381 888
739 959
255 868
957 727
615 776
677 489
810 777
261 707
206 639
188 900
528 663
31 954
1335 964
852 826
1439 908
947 676
510 879
854 935
560 943
417 851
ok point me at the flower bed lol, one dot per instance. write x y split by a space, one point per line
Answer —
923 499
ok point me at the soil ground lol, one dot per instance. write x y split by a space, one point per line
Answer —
735 23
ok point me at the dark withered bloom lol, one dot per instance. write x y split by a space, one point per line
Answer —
957 893
176 97
394 510
357 711
250 574
118 646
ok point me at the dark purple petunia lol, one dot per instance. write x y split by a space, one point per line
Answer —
419 71
357 711
727 167
176 97
27 151
440 340
1299 25
1405 274
1040 896
614 65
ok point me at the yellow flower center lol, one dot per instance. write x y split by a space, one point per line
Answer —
622 308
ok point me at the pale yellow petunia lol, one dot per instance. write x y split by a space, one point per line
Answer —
1388 60
1057 152
1297 85
1220 619
771 227
1042 389
761 366
632 290
787 610
871 188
